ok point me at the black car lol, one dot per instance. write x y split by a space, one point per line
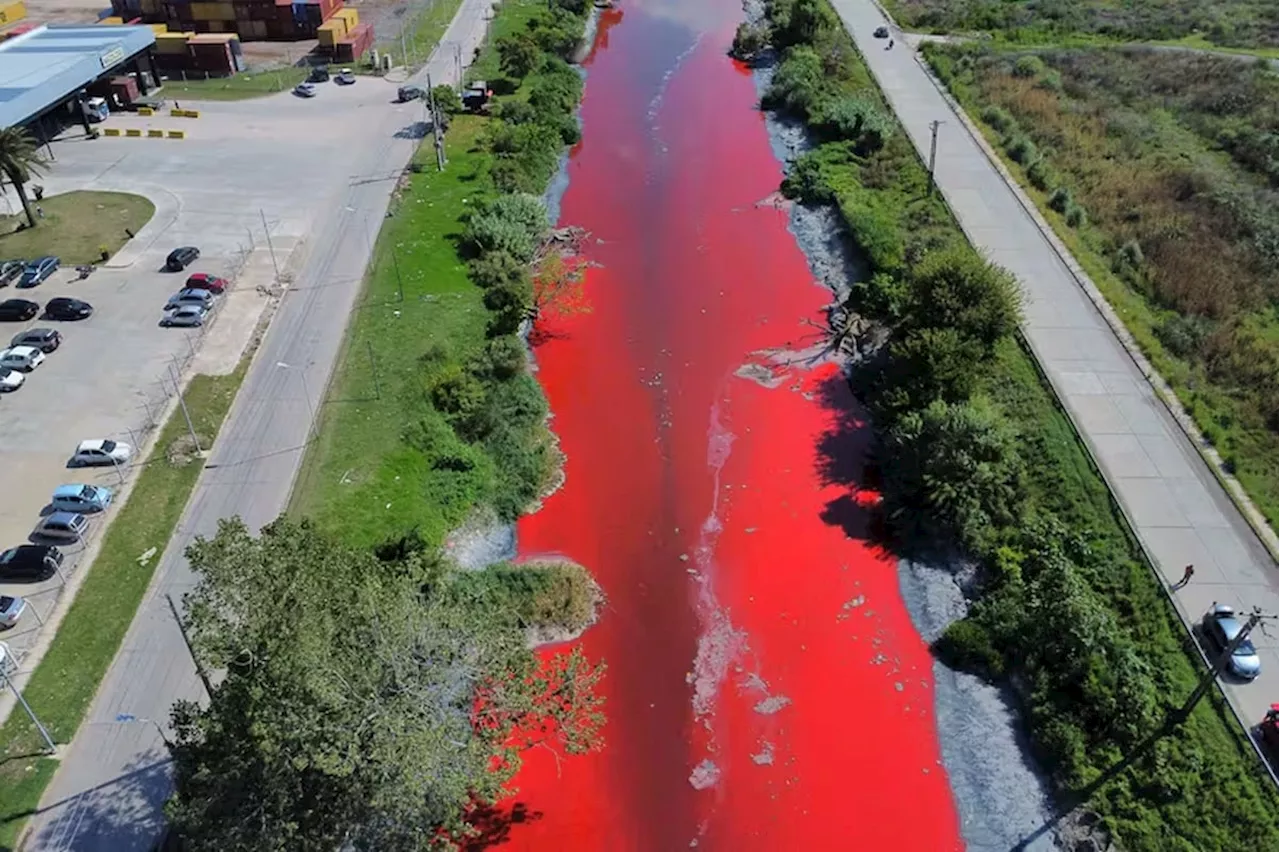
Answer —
181 257
45 339
410 93
29 562
63 308
38 270
319 74
881 32
18 310
10 270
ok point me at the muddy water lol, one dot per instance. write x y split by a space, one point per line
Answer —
765 689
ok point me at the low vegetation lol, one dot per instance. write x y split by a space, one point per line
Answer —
250 84
67 678
77 226
1225 23
979 461
430 690
1159 170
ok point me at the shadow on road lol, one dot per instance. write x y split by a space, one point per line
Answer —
120 814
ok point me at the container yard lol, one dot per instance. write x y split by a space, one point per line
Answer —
250 20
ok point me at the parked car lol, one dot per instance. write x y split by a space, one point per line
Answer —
81 498
181 257
203 298
881 32
205 281
11 609
18 310
101 452
45 339
305 90
29 562
64 308
38 270
1220 627
319 74
185 316
10 270
61 526
345 77
10 380
410 93
25 358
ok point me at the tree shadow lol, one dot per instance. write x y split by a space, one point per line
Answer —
493 824
844 458
123 813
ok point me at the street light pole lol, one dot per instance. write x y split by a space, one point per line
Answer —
44 732
270 246
933 150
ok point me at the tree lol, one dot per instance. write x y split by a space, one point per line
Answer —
748 41
363 705
19 160
518 54
956 288
956 472
557 287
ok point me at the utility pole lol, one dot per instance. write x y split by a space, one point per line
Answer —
435 126
182 628
272 248
404 48
44 732
1182 713
933 151
185 413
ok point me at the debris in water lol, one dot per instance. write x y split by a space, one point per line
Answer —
684 557
765 757
704 775
750 530
772 704
897 684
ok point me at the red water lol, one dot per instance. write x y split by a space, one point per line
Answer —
765 687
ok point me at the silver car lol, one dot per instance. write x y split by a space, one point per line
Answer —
185 315
190 296
1220 627
61 527
11 609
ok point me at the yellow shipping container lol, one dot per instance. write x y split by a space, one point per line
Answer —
351 16
172 42
111 21
213 11
159 29
11 13
335 25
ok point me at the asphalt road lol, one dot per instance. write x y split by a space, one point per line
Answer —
114 777
1178 509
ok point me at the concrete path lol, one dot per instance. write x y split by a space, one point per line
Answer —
1177 507
115 776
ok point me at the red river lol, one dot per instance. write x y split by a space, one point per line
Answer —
765 687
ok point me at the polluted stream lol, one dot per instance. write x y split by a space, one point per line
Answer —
767 687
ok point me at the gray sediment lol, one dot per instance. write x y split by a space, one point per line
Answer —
1001 796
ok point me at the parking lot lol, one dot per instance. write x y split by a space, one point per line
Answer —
244 186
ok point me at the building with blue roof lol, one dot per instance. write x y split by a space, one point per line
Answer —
51 66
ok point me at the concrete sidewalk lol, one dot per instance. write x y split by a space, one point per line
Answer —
1174 503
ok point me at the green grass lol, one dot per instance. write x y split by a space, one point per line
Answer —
422 33
250 84
68 676
76 226
360 479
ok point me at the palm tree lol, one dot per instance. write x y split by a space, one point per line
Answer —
19 160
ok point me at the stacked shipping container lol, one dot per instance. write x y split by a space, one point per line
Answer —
353 46
284 20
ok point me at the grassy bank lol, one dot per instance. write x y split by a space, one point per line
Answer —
250 84
977 456
68 676
1225 23
77 226
1158 171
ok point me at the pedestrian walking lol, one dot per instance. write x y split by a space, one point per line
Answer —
890 47
1187 574
39 211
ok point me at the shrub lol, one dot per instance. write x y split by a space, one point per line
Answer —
858 118
955 473
1050 80
556 31
800 21
518 54
998 119
515 111
457 394
875 230
806 179
1061 199
1041 175
925 365
1076 216
496 269
967 646
504 357
958 289
509 223
526 156
1021 150
797 85
748 41
447 99
1184 334
1028 66
575 7
556 89
883 297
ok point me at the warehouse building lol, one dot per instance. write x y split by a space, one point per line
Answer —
47 73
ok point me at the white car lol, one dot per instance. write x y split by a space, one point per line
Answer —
305 90
25 358
10 380
101 452
11 609
185 315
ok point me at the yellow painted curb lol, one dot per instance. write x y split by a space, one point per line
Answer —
146 111
155 134
133 131
111 131
177 134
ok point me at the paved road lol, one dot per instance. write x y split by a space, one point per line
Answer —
114 778
1178 508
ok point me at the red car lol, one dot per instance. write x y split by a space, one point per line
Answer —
205 281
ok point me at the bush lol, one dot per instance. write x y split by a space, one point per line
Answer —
966 645
457 394
497 269
1050 80
857 118
1061 199
1184 334
875 230
883 297
1028 66
556 31
807 180
518 54
1021 150
447 99
509 223
515 111
998 119
503 358
1041 175
526 156
801 21
538 594
958 289
955 473
1076 216
556 89
1130 254
797 86
748 41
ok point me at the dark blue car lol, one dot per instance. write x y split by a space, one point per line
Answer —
38 270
